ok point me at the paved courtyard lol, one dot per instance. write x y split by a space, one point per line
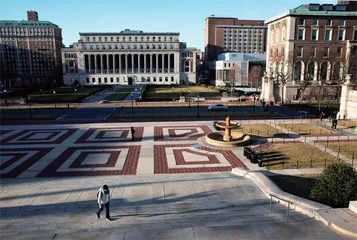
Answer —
166 184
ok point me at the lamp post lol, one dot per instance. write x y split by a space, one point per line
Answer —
5 97
28 101
198 105
132 104
189 99
81 94
75 92
254 103
54 97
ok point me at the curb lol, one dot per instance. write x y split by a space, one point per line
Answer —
300 204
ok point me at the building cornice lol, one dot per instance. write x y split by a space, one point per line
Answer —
127 33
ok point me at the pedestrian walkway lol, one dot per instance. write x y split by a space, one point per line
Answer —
135 95
195 206
101 95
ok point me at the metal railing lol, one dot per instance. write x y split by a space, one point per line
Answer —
289 202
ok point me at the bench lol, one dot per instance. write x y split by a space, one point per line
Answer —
275 160
250 154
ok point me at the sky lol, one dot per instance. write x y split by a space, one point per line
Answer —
184 16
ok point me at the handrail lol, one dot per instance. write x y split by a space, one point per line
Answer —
282 199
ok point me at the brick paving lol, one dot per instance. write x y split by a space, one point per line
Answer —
30 151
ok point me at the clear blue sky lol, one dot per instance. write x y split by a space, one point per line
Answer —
184 16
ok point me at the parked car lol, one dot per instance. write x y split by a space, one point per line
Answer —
218 107
103 101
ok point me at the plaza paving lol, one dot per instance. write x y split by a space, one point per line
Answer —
166 184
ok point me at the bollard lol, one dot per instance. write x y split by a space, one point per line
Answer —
311 163
338 153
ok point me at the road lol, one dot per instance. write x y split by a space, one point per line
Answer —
101 111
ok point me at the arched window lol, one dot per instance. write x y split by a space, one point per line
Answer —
297 71
337 73
324 69
311 71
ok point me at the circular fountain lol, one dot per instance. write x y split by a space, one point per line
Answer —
227 137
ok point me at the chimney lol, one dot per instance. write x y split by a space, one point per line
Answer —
32 16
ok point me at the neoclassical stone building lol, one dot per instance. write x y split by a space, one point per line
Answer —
310 47
129 57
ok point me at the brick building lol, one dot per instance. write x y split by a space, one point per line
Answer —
30 52
310 47
224 34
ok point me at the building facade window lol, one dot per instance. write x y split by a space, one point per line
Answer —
328 34
314 34
301 34
313 51
326 51
341 34
339 51
299 51
315 22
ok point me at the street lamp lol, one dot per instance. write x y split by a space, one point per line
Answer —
254 103
189 99
81 94
5 97
198 105
54 97
132 104
28 101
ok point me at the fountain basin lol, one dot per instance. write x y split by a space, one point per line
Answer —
238 139
231 125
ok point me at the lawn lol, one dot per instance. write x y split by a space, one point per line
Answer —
348 123
298 155
169 93
263 130
346 148
120 94
305 129
300 185
65 94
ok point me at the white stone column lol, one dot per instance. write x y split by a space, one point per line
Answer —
119 63
139 56
132 63
114 71
90 63
145 55
168 64
346 91
151 63
126 63
95 63
101 63
163 63
108 63
157 63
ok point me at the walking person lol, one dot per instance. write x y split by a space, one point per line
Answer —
103 200
132 130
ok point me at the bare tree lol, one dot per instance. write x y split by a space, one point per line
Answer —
255 76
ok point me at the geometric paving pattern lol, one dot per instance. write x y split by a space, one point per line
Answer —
94 161
15 161
110 135
186 158
180 133
38 136
2 132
